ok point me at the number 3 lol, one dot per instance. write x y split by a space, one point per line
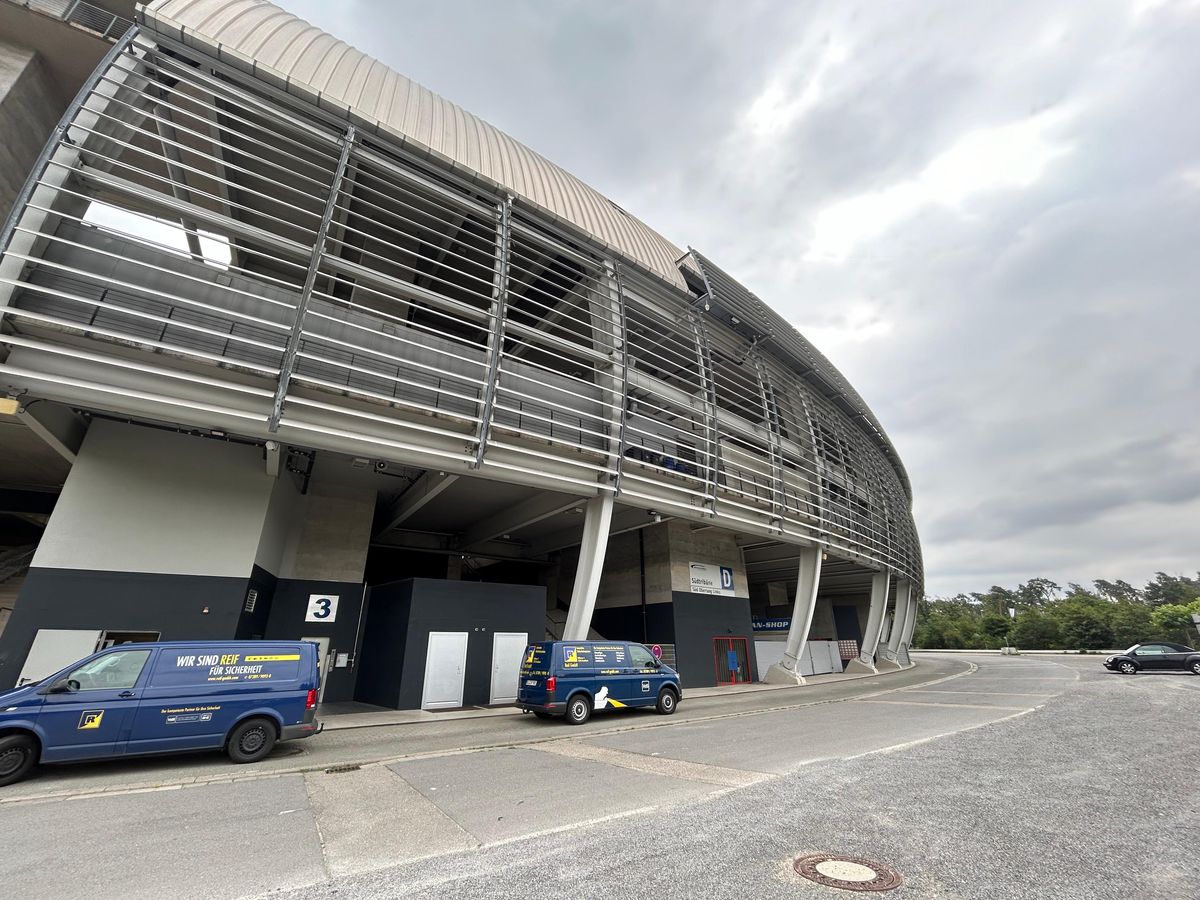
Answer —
323 613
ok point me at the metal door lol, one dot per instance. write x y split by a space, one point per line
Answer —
508 649
732 658
324 661
445 670
54 649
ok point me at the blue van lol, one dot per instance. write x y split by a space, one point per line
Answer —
138 699
573 678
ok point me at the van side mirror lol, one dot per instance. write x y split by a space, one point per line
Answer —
62 686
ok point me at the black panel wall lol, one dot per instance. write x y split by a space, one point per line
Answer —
698 619
288 609
652 624
120 601
252 625
381 654
401 615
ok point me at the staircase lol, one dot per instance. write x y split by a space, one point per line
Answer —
556 621
15 561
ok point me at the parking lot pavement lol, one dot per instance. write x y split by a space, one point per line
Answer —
464 805
217 841
1088 794
361 746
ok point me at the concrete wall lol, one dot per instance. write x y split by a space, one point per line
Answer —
715 546
621 581
147 500
29 108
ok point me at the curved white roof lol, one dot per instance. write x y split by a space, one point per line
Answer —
266 40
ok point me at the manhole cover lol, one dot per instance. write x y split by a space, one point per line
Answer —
849 873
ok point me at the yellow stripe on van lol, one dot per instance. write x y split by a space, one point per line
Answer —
280 657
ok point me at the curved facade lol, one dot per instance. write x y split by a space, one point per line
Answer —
246 225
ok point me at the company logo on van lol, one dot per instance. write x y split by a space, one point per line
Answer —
90 719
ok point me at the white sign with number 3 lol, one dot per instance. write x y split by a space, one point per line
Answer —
321 608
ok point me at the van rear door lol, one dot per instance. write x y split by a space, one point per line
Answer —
535 669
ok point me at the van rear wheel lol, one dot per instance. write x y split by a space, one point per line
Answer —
579 709
251 740
18 754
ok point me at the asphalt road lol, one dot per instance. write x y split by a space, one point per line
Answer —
1029 777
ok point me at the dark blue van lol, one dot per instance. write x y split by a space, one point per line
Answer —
137 699
573 678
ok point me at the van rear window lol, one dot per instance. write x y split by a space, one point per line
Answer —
534 662
201 666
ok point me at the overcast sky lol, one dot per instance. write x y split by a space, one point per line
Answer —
986 214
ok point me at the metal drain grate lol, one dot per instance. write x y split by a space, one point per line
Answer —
334 770
847 873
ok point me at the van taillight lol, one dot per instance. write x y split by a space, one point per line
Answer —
311 702
550 685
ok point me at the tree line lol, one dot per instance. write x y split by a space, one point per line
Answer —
1041 615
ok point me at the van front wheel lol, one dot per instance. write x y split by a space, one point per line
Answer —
18 754
579 709
251 740
666 702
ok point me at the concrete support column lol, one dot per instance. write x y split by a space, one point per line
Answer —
889 650
787 670
596 523
879 595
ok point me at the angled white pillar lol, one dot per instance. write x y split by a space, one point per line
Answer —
866 653
596 523
910 622
889 648
787 670
889 619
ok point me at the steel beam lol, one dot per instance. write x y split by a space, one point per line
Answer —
422 491
524 514
310 278
499 312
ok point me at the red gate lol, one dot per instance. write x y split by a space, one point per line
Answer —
732 659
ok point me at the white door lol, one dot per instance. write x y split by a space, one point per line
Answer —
323 657
54 649
508 649
445 670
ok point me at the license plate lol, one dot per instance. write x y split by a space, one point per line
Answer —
531 682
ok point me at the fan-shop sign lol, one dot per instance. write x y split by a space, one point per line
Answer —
321 608
710 579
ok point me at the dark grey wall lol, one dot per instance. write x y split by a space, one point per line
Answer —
698 619
846 621
626 623
288 608
120 601
401 615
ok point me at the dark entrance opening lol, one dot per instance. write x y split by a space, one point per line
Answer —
731 657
